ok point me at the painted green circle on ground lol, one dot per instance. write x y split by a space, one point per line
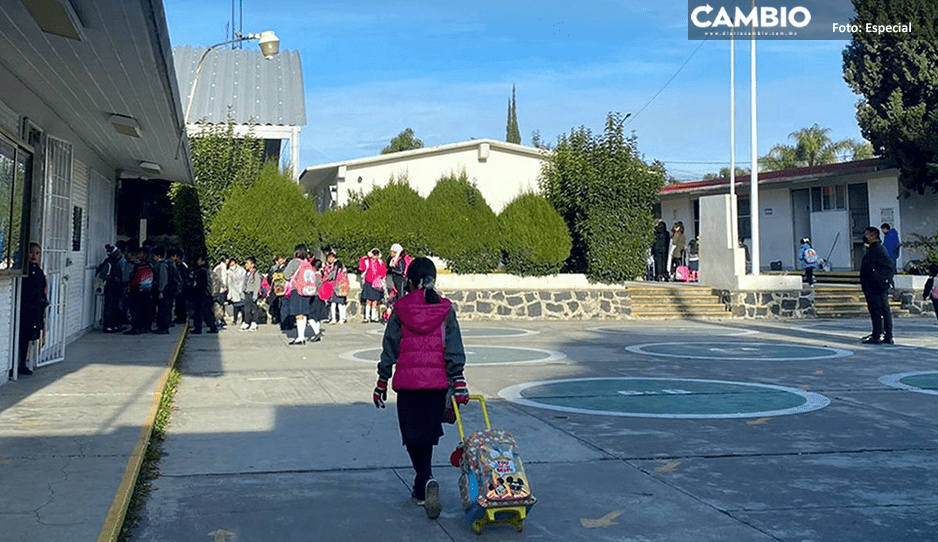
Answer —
494 332
477 355
665 397
675 330
739 351
921 381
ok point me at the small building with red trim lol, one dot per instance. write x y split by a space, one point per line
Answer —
831 204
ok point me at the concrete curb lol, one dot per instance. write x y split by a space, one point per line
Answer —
118 510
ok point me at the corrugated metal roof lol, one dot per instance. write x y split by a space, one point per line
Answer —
267 92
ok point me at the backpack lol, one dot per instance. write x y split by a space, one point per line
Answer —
265 288
682 273
326 290
143 278
341 284
279 283
810 256
304 280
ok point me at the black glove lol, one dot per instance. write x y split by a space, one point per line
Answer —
461 391
381 393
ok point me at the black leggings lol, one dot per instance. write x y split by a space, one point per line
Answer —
421 457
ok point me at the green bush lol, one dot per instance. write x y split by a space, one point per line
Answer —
462 228
535 240
605 193
187 219
265 220
390 214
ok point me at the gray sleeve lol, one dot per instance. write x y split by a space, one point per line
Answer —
291 268
453 351
390 347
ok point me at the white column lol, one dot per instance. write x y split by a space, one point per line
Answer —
754 210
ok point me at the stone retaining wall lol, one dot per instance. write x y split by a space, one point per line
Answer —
785 304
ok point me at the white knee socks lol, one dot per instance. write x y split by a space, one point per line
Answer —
301 329
315 325
342 314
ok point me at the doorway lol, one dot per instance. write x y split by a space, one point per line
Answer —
801 217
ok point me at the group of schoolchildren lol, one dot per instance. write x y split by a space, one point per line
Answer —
146 288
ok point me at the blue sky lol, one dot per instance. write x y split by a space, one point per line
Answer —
446 70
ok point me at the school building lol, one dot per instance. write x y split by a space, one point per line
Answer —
89 106
830 204
501 171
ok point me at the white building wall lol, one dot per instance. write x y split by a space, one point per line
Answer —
679 210
7 329
500 175
76 260
919 215
883 195
777 239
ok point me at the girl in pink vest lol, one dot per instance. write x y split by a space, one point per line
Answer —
423 349
373 271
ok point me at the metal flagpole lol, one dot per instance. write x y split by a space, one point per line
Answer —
754 175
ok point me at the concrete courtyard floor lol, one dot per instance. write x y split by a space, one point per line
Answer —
277 442
669 430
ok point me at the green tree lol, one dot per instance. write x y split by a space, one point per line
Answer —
268 218
535 239
221 162
725 173
390 214
606 195
404 141
463 229
512 133
813 147
897 77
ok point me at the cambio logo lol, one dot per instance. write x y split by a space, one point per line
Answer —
764 17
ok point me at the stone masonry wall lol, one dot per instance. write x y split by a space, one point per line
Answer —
784 304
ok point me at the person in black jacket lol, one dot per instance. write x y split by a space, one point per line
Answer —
931 287
111 273
876 272
202 298
33 303
659 250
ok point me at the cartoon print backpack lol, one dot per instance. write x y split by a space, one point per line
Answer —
342 285
810 256
279 283
265 288
682 273
304 280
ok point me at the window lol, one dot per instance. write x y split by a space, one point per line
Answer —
743 217
828 198
76 228
15 173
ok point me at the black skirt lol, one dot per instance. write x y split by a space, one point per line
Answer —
420 415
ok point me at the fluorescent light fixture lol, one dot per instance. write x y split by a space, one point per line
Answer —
125 125
151 167
56 17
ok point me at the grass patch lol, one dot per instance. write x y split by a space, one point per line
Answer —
150 468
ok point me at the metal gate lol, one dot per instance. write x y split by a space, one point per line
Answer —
55 245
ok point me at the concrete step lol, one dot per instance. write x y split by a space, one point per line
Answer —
665 307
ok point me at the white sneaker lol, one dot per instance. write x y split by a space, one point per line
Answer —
431 502
244 327
253 326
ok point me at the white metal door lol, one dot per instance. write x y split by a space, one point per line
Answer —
55 245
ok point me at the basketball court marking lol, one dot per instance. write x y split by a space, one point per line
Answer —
919 381
672 398
704 330
482 332
477 355
739 351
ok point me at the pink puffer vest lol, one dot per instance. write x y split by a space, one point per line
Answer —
420 362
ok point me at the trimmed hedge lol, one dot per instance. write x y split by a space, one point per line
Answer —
535 240
462 228
265 220
390 214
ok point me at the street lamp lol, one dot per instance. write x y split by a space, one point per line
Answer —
269 44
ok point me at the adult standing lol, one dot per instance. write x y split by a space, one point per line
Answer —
876 272
202 298
931 287
891 243
659 250
676 254
111 273
33 303
163 291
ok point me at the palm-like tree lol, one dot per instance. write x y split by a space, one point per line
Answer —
813 147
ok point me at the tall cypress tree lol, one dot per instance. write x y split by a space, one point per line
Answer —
512 133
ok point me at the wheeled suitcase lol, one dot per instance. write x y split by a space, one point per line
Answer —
493 486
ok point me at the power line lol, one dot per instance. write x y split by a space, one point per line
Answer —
639 112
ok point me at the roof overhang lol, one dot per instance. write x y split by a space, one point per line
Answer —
98 73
